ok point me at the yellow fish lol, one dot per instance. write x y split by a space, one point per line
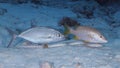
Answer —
86 34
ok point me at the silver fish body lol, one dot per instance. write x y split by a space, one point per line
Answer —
42 35
88 34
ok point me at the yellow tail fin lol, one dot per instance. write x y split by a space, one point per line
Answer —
76 38
66 31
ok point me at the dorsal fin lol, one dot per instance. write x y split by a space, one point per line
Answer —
33 23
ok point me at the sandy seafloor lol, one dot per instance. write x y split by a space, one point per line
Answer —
19 17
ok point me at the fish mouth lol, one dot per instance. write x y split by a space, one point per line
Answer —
63 38
104 41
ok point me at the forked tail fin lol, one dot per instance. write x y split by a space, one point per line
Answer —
67 30
13 37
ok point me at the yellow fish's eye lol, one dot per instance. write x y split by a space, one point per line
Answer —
101 36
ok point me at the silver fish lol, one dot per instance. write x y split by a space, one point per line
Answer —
88 34
40 35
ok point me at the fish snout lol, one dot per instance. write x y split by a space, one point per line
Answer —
63 37
105 41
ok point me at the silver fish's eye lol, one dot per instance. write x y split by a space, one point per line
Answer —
59 35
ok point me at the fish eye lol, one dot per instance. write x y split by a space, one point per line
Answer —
101 36
58 35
